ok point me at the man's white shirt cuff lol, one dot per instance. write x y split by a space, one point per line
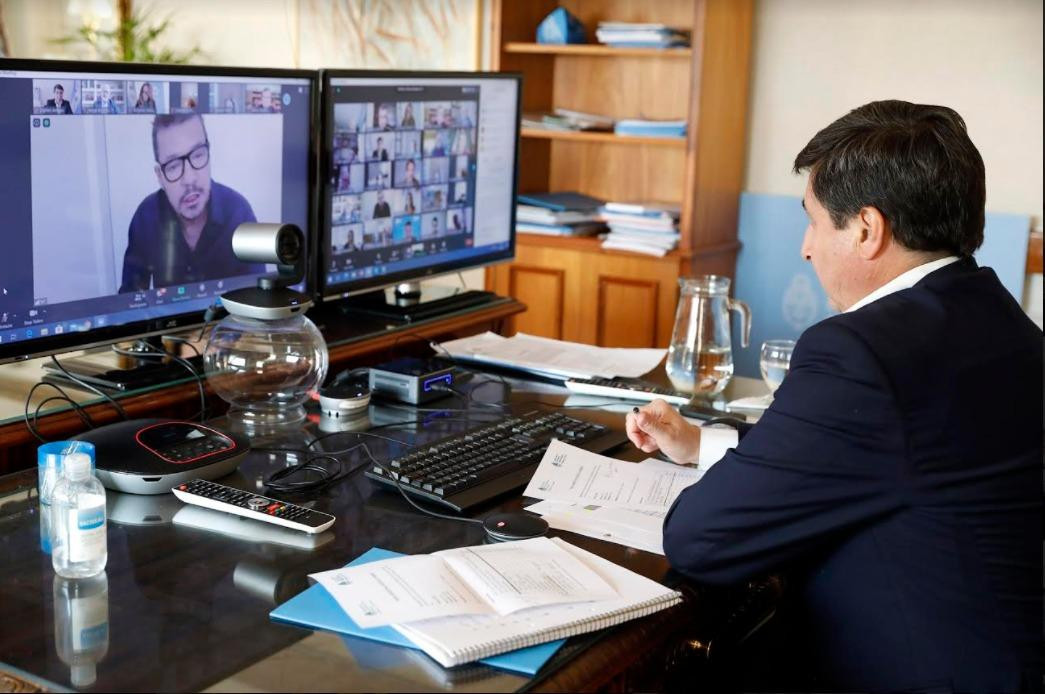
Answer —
714 442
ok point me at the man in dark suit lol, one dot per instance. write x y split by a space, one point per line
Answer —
58 103
896 478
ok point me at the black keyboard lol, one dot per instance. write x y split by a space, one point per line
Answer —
468 469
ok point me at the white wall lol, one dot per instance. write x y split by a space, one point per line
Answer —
814 60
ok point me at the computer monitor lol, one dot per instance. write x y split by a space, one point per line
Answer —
122 185
419 175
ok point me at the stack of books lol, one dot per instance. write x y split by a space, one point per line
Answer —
650 228
638 35
651 128
565 119
558 214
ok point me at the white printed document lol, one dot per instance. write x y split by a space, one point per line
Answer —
487 580
574 475
623 526
554 358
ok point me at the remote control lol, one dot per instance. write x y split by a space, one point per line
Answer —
627 389
250 505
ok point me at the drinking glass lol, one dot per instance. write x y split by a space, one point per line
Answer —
774 361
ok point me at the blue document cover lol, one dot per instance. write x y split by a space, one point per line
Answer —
315 608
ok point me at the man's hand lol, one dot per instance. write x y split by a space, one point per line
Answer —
658 426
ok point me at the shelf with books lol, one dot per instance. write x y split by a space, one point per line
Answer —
596 49
591 244
604 137
577 289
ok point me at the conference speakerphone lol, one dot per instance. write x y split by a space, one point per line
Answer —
149 456
411 380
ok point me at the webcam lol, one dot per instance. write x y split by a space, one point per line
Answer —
282 245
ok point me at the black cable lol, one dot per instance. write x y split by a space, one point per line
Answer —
209 316
153 353
395 479
467 397
184 341
32 426
88 386
328 478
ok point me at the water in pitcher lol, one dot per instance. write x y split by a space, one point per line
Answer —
700 355
709 374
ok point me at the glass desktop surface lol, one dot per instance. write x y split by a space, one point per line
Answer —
338 327
188 607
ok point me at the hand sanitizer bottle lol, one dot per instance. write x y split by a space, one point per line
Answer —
78 520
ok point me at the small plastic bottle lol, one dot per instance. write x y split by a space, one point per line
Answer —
79 547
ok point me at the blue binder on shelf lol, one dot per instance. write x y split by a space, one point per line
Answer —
560 202
315 608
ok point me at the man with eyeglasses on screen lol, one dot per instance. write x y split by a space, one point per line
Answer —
182 233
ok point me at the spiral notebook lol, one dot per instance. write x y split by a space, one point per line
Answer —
315 608
452 641
457 640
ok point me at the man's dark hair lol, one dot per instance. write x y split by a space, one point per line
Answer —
915 163
168 120
57 87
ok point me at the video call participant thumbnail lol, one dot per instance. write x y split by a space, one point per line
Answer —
182 233
59 103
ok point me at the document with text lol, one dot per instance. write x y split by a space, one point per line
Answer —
488 579
571 474
623 526
555 358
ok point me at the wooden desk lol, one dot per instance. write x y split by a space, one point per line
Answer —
351 340
188 607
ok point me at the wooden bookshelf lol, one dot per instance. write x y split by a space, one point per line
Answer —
603 137
575 290
595 49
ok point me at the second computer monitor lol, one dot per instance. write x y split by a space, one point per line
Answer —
420 175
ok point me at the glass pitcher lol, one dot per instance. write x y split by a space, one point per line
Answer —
700 358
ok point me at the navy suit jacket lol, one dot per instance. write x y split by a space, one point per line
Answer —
898 477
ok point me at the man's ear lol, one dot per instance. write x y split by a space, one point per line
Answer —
159 174
874 233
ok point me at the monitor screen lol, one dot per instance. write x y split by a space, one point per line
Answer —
122 186
420 175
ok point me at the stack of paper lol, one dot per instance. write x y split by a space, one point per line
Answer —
558 214
464 604
639 35
566 119
605 498
641 227
553 358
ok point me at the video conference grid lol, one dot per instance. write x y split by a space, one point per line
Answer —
101 96
404 174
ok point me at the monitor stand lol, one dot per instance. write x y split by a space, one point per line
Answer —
409 302
144 373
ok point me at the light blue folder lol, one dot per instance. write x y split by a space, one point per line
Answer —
315 608
782 289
